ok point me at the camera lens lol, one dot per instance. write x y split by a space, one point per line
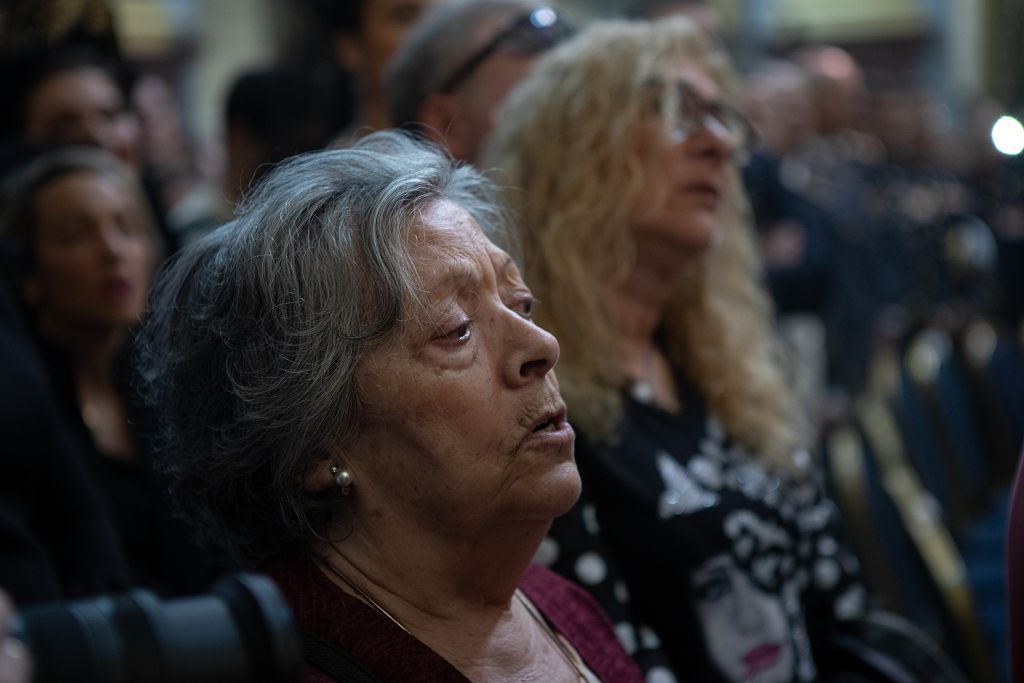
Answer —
243 631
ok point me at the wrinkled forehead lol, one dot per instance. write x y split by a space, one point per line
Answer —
443 228
447 247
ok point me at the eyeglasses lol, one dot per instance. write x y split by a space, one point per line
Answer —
530 34
685 111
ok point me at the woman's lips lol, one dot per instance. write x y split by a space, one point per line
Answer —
704 188
705 193
762 657
552 430
119 288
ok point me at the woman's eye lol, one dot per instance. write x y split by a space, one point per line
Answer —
72 234
524 307
711 589
459 334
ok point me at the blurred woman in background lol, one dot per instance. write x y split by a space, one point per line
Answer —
87 247
623 155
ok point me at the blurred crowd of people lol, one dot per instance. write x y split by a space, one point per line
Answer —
877 210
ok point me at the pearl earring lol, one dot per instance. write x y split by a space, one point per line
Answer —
342 479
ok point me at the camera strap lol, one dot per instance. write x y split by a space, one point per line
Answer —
334 661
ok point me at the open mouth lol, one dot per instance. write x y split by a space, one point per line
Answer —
545 426
550 423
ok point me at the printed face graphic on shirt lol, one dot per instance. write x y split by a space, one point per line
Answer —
762 544
746 629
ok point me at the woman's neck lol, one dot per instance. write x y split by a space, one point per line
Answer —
456 595
420 577
100 402
93 350
637 308
637 305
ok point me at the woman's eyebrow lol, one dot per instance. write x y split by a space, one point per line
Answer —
457 275
508 269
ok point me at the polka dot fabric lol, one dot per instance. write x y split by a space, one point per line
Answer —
710 567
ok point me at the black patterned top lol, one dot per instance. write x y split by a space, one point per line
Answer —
737 571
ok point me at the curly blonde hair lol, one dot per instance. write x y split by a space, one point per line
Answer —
567 149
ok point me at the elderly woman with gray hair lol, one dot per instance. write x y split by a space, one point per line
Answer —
357 399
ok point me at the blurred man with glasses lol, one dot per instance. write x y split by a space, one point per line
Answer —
459 63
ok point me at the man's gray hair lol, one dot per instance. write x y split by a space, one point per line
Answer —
257 330
442 39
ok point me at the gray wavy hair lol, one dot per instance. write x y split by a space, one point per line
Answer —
257 330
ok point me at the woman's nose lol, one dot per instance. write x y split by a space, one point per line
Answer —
714 138
91 129
749 616
532 352
112 242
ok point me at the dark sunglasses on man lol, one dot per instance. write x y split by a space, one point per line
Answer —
528 34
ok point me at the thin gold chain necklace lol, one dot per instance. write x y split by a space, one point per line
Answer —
530 609
563 649
360 592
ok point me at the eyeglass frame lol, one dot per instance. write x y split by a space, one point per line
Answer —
744 135
471 64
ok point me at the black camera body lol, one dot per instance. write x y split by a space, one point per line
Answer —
241 631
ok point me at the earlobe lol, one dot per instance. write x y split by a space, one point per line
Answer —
319 477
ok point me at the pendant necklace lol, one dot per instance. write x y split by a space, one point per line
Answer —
642 390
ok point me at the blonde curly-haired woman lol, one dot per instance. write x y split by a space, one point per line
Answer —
624 154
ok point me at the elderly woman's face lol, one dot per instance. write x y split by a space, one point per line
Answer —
464 426
685 176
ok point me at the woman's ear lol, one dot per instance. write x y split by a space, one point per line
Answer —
319 477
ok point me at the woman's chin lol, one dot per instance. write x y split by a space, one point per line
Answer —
565 489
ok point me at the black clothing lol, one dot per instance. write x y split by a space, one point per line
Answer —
160 549
738 571
57 537
73 521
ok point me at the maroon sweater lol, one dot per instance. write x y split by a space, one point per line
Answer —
324 610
